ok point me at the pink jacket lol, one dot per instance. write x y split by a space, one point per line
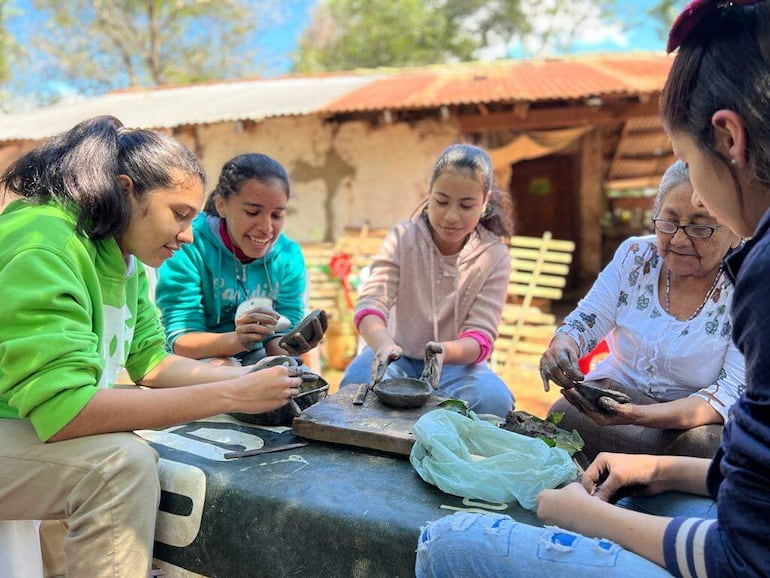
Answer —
425 296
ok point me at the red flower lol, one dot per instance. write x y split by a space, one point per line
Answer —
340 266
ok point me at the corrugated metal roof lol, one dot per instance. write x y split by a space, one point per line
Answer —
509 81
644 152
197 104
397 89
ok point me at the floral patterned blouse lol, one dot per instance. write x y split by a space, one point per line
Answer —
664 357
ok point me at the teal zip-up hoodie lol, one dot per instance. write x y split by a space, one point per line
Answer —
201 286
73 313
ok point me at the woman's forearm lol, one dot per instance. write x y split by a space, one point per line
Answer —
634 531
178 371
198 345
681 474
374 332
461 351
115 410
685 413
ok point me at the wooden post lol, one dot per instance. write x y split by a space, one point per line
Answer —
592 171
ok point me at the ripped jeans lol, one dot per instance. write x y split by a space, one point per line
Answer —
490 545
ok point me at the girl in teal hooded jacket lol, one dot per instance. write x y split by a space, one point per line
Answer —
239 253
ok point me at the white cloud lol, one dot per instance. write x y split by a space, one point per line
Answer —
560 26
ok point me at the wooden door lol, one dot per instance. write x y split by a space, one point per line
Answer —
545 196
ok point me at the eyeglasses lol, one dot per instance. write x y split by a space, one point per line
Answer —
693 13
692 231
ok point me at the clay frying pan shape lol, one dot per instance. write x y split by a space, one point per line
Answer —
408 392
307 334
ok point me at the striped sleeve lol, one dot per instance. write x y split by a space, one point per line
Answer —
684 546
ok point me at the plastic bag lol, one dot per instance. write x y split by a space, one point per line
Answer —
472 458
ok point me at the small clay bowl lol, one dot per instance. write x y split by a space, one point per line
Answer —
403 392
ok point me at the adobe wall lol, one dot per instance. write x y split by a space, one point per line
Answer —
341 175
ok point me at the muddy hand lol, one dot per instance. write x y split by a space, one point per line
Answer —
559 363
594 393
588 397
434 362
575 398
382 358
305 376
307 334
266 389
254 326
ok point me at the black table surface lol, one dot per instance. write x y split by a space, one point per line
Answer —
319 510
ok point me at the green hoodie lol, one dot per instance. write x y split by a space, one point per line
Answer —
72 315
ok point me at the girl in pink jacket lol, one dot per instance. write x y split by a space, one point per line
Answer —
441 279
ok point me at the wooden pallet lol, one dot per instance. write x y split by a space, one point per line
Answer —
539 270
324 291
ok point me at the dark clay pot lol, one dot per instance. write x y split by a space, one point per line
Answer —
403 392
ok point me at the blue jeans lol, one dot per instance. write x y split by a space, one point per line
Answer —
490 545
495 545
484 391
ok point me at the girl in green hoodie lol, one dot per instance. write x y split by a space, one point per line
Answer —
98 203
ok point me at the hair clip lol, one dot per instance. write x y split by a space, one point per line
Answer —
693 13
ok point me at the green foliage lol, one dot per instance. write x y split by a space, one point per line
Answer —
96 45
3 43
555 417
348 34
455 405
8 51
664 12
571 442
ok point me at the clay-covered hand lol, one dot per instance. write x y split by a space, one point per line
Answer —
603 406
265 389
307 334
434 362
382 358
559 363
611 476
254 326
564 507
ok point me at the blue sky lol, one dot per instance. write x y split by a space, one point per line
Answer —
638 32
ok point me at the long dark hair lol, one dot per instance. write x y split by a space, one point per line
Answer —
79 169
246 167
724 63
498 214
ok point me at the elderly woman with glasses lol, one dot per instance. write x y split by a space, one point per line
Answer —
663 305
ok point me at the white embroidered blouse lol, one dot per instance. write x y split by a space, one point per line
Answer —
664 357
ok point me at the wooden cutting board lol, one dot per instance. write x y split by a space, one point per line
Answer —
371 425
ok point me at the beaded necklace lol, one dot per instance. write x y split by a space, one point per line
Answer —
705 299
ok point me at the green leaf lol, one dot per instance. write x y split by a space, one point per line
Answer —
569 441
455 405
556 417
525 423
